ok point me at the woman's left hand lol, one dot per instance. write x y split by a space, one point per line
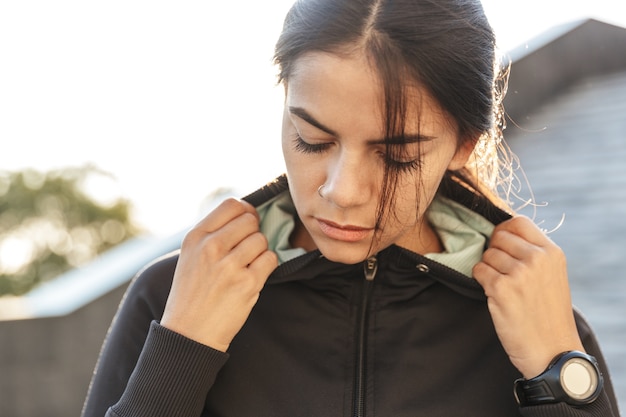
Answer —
524 275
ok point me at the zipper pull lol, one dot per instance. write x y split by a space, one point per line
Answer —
370 267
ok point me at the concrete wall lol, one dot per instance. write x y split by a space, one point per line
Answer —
46 364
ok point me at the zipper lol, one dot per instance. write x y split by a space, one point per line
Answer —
370 267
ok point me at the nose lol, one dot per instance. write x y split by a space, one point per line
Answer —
350 182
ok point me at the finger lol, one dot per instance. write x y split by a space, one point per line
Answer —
225 212
264 264
512 244
525 228
499 260
234 232
249 249
485 274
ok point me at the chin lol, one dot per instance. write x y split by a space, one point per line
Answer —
345 253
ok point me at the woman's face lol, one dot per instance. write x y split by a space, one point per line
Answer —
333 132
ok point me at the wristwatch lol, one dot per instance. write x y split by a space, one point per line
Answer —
572 377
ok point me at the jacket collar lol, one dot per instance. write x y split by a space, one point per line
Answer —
312 264
449 188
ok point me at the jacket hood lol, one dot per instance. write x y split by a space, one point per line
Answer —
297 264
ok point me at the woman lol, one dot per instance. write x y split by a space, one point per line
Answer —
379 276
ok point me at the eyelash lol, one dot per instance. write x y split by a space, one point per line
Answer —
404 166
399 166
305 147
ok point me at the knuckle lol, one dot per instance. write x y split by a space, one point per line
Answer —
479 269
489 253
214 248
262 240
191 238
230 203
230 272
556 252
250 220
536 256
492 255
506 288
238 206
558 255
495 238
521 220
270 258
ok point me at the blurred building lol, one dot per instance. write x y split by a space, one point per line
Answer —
567 109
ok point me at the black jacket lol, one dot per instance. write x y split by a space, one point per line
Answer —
416 340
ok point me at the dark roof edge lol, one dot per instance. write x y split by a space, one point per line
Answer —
548 36
560 57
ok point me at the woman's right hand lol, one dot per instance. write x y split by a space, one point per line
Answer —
223 265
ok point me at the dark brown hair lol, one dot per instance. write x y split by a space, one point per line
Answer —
445 46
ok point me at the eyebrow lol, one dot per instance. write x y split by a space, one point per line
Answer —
304 115
393 140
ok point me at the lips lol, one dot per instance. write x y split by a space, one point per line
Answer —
346 233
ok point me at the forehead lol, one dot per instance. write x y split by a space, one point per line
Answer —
318 74
349 89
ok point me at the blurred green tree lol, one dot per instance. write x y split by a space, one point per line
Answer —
49 224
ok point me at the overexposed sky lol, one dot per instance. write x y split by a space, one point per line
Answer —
175 99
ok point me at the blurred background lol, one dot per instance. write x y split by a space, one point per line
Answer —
121 122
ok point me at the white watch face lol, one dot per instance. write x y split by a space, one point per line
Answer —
579 378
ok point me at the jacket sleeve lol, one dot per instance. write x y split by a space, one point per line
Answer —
144 369
606 404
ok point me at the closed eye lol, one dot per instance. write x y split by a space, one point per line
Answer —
318 148
403 166
310 148
404 158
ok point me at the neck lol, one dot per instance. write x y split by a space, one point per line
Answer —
422 239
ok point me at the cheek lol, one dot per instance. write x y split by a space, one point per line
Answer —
414 194
302 175
292 158
407 202
303 171
300 169
433 171
286 145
